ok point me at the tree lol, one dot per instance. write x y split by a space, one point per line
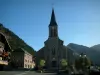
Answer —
77 64
82 62
87 62
42 64
64 63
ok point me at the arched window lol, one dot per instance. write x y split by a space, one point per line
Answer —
55 32
53 51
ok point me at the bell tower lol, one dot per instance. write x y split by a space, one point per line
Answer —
53 27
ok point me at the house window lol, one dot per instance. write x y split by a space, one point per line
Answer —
0 58
25 66
25 60
28 66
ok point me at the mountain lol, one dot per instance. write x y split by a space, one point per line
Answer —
91 53
96 47
14 41
78 48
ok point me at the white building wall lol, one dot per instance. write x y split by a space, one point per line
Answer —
28 61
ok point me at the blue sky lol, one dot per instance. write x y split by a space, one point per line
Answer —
78 20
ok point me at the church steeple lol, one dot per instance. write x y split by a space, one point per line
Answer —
53 19
53 28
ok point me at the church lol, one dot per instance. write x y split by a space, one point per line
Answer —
54 50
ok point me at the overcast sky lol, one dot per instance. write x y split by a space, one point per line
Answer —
78 20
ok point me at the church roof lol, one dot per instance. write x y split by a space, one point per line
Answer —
53 19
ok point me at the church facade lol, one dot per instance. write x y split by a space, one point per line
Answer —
53 50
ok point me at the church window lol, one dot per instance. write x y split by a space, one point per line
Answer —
53 52
55 32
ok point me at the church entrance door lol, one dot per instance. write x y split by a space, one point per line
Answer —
54 63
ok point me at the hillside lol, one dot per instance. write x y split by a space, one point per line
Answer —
14 41
91 53
96 47
78 48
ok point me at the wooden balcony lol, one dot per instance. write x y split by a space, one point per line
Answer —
3 62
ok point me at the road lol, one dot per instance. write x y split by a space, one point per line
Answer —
23 73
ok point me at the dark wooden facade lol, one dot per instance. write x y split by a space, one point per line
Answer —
4 51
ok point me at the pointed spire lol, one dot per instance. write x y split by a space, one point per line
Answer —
53 19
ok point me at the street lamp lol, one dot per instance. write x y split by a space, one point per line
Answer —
84 55
80 55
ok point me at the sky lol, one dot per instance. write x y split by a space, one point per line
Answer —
78 20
